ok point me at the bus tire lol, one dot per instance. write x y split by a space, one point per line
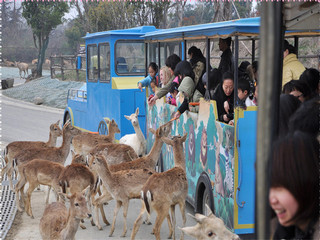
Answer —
66 118
102 129
204 195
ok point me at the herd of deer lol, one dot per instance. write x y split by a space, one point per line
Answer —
102 170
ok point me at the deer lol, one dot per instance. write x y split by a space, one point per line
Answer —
54 154
59 223
85 142
35 172
14 148
164 190
209 227
23 67
150 160
137 141
77 177
34 61
117 152
122 185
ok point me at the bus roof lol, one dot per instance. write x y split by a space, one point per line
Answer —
226 28
137 31
246 27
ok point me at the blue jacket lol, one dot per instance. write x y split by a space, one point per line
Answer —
146 83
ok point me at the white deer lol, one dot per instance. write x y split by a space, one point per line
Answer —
137 141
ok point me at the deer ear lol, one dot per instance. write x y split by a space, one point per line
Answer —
184 138
189 230
107 121
72 153
127 117
137 111
58 122
209 211
83 192
199 217
152 131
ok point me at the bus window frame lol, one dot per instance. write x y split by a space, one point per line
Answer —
115 56
89 61
107 44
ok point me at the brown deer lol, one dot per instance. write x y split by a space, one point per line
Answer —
164 190
123 186
209 228
85 142
54 154
117 152
23 67
14 148
57 223
35 172
77 177
150 160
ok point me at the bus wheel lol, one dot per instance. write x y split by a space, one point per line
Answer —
102 129
206 199
67 118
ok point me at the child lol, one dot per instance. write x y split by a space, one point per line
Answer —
243 90
171 96
254 100
153 75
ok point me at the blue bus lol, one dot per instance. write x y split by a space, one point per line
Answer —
220 158
115 62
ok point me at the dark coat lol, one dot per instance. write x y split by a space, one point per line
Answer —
226 62
220 98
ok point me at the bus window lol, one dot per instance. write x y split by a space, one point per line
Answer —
169 48
153 53
104 64
92 67
130 58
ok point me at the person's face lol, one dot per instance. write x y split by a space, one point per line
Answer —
284 204
298 95
190 55
152 72
227 87
153 86
222 45
163 81
242 94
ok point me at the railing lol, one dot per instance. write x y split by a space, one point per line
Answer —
65 62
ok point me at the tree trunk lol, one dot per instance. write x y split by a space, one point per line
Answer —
43 44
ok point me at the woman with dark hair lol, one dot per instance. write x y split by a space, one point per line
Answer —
224 98
292 68
294 188
187 86
198 63
288 105
311 78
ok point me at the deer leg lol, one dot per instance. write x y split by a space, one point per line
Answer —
116 210
138 221
19 186
160 217
182 206
173 217
125 212
99 203
170 226
28 208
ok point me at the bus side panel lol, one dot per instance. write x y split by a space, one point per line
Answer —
209 148
245 176
78 113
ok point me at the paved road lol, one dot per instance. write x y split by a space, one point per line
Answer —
24 121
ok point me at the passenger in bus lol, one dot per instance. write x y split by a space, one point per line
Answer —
288 87
243 68
292 68
187 87
171 63
294 191
171 97
311 77
224 98
198 63
152 76
307 118
226 62
243 90
214 80
288 106
253 101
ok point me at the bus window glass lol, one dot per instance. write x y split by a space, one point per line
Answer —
92 67
130 57
169 48
104 64
153 53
